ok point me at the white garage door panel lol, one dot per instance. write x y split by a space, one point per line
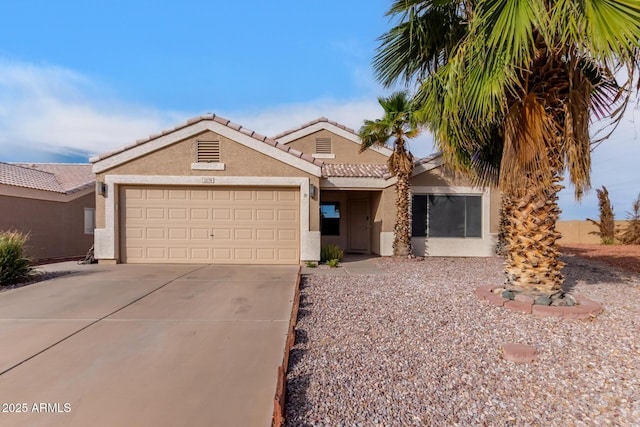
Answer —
215 225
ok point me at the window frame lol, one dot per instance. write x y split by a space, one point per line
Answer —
334 221
416 210
89 228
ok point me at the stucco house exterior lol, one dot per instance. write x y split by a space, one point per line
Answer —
212 191
52 202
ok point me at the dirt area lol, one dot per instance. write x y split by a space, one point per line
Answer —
626 257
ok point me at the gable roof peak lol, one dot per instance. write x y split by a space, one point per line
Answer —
315 122
194 121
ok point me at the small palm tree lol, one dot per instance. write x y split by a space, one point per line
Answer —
398 123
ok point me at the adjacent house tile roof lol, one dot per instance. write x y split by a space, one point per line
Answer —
224 122
63 178
313 122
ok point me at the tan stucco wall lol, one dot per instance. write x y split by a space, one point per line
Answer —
440 177
56 228
579 232
176 160
387 209
346 151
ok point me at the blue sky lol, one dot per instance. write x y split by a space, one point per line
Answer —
79 78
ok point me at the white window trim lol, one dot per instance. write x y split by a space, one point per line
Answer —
209 166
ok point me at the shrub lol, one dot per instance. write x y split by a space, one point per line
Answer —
606 224
330 252
631 234
311 264
333 263
14 266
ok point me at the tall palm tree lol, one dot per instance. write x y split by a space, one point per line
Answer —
534 73
398 123
509 88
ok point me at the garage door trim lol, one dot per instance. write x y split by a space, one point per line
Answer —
105 239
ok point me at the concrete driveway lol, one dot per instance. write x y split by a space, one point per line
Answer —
145 345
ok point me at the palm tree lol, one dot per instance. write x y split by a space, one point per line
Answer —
509 92
534 74
398 123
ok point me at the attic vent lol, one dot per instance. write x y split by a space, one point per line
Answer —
323 145
208 151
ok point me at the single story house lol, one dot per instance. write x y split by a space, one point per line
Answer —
52 202
212 191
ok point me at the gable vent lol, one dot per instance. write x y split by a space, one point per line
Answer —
323 145
208 151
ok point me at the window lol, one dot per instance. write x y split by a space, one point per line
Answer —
208 151
330 218
89 220
323 145
446 216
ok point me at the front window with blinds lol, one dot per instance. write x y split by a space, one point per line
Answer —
323 146
208 152
446 216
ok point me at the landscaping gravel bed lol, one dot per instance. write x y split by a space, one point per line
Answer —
416 347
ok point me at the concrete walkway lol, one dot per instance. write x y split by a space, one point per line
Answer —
352 264
145 345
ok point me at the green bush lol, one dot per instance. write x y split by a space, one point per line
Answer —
14 266
330 252
311 264
333 263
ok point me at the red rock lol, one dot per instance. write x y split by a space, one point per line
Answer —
522 307
496 299
482 293
519 353
548 311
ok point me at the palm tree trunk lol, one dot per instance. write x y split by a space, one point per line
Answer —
402 229
532 261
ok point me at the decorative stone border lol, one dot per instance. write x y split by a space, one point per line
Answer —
584 309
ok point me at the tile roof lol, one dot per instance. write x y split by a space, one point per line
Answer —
428 159
355 171
367 171
222 121
63 178
313 122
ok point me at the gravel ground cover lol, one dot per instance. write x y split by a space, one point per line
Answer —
417 348
626 257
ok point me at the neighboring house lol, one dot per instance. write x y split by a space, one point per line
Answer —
54 203
211 191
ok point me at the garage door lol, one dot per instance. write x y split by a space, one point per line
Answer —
224 225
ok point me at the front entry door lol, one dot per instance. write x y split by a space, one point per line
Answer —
358 226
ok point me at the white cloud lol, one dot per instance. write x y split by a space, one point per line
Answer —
350 113
53 109
56 110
